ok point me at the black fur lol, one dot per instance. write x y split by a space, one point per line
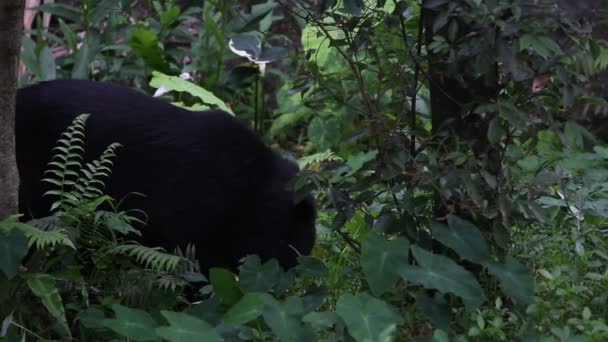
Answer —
208 179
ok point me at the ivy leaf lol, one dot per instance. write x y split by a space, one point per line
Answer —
183 327
134 324
381 260
515 280
442 273
368 318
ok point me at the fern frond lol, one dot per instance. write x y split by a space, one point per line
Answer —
318 158
169 282
43 239
154 258
75 182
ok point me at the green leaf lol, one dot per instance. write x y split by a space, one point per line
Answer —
91 318
255 277
442 273
543 46
368 318
495 131
48 68
183 328
436 309
178 84
324 133
357 160
146 45
169 17
381 261
515 280
134 324
463 237
13 248
225 286
65 11
245 310
284 319
311 267
43 286
85 55
514 116
320 320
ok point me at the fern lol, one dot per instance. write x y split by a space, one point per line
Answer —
43 239
77 183
153 258
318 158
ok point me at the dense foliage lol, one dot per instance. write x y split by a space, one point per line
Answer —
486 224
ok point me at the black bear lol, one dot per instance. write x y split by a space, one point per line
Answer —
207 178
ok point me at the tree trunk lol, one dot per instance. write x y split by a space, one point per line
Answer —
11 17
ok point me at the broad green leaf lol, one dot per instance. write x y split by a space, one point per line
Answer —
183 328
91 318
515 280
368 318
311 267
320 320
134 324
43 286
381 261
436 309
257 277
463 237
356 161
284 319
245 310
178 84
442 273
225 286
13 247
